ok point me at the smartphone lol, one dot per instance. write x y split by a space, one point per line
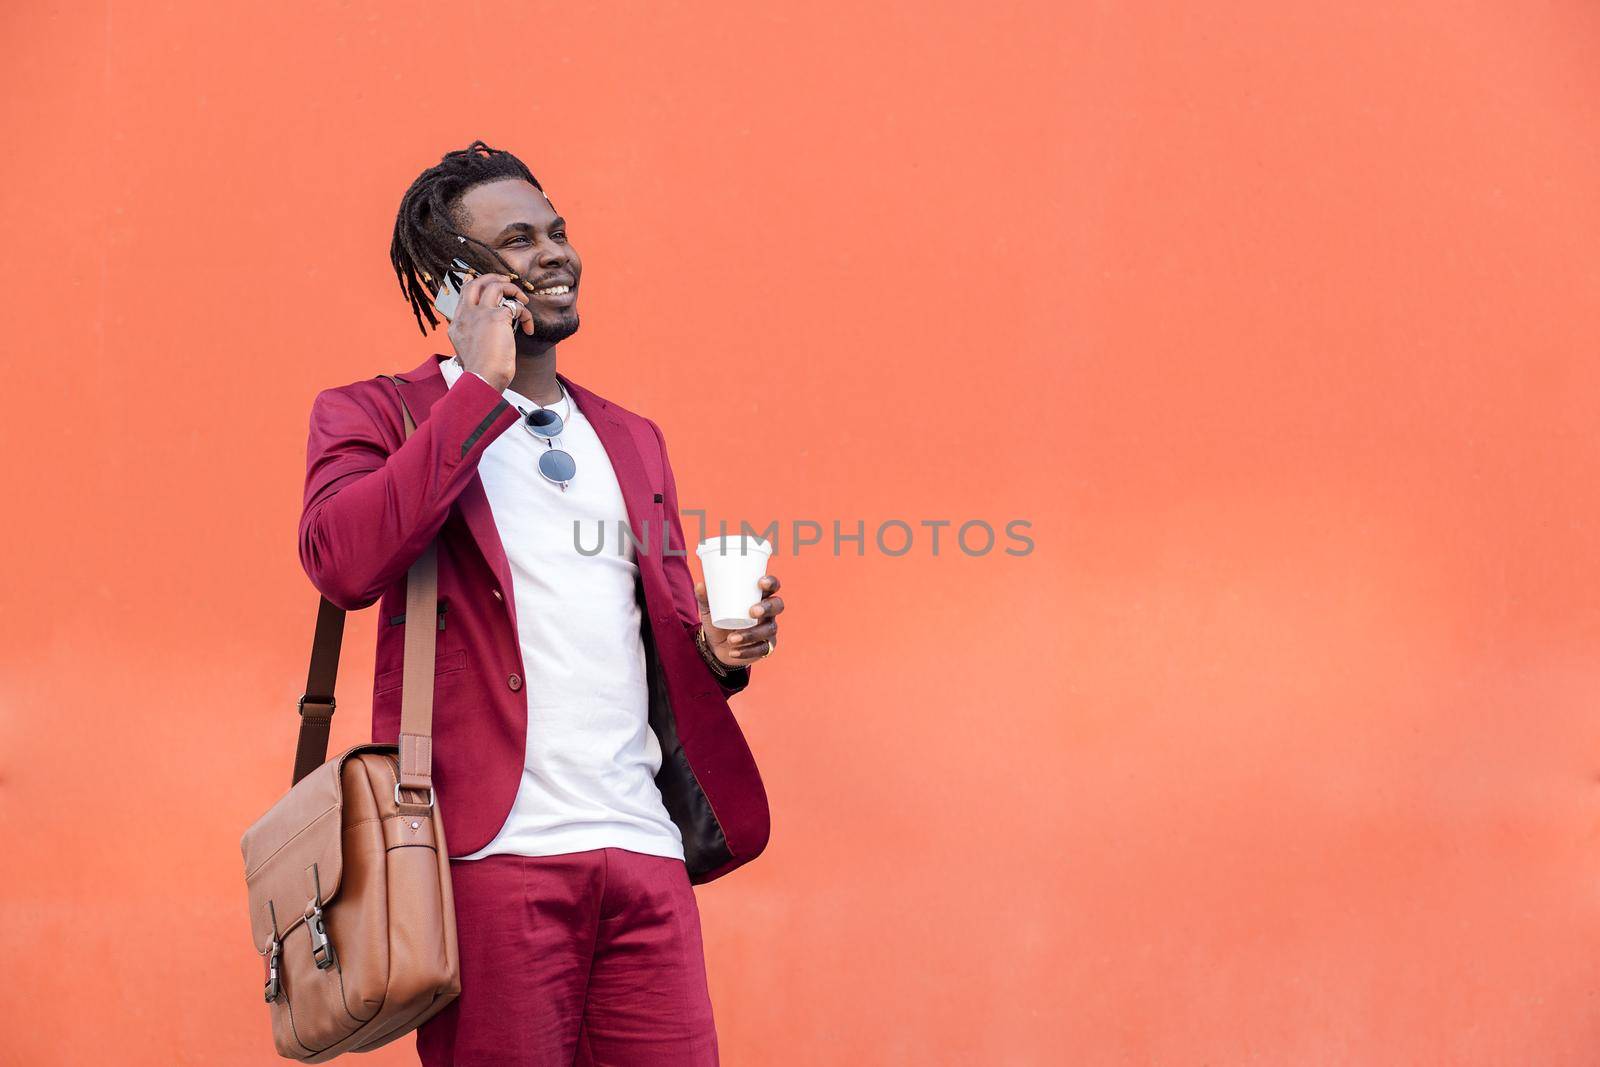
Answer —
448 298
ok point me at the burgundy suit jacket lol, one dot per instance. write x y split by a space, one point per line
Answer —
373 501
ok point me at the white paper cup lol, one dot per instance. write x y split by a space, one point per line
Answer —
733 566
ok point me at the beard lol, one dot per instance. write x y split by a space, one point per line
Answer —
547 332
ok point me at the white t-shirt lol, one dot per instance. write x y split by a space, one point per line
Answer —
588 777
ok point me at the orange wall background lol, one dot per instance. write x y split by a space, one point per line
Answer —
1276 321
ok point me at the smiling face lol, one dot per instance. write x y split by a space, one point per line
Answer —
516 220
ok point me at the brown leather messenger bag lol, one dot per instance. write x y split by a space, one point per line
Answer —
351 909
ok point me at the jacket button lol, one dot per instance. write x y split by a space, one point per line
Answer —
497 595
514 682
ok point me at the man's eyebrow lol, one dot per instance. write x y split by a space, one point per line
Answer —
528 227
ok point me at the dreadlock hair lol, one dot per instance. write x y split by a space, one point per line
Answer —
426 237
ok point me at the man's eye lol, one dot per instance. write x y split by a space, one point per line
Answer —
556 233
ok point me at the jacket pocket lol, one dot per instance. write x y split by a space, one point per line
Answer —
444 663
444 605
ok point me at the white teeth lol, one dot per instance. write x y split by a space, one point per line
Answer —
554 291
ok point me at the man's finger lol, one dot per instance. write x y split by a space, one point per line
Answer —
482 285
758 635
753 652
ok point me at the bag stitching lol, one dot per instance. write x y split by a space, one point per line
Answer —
257 868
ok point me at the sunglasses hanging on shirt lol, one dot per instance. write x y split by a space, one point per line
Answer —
555 464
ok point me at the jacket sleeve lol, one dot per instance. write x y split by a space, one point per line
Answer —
371 508
679 578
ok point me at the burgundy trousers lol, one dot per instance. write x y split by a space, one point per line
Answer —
585 958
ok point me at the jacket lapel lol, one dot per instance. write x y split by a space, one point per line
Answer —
637 485
423 387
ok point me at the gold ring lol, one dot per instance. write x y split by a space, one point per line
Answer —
768 652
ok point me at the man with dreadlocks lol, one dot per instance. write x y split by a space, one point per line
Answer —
585 763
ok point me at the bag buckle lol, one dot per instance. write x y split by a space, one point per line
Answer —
398 801
274 977
321 947
300 705
274 956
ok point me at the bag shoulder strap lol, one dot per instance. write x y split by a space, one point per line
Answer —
316 705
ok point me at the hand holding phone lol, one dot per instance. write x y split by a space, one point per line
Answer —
483 310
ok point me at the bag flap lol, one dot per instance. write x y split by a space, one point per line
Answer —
302 831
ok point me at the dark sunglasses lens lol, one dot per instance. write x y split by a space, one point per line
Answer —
557 465
544 422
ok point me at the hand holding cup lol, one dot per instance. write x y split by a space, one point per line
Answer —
739 612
